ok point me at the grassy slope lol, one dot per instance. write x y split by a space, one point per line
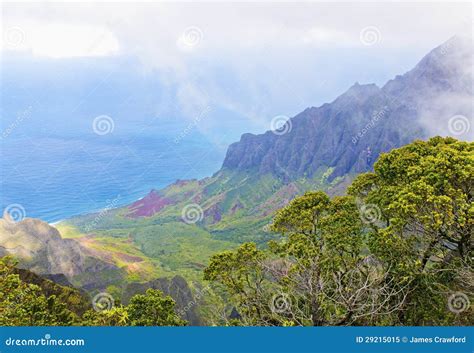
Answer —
163 245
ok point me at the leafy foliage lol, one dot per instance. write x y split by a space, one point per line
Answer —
149 309
392 252
425 194
25 304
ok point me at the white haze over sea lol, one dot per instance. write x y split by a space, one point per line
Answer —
154 68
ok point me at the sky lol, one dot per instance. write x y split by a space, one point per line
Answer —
253 59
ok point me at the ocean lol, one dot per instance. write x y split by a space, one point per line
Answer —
53 178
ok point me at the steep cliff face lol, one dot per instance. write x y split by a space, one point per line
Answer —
176 229
320 148
349 133
324 137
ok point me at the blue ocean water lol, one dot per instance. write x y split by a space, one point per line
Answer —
53 164
53 178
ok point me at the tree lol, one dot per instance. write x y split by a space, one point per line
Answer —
391 252
423 193
116 316
149 309
242 274
153 309
23 304
318 275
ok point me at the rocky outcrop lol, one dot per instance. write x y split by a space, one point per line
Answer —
349 133
40 248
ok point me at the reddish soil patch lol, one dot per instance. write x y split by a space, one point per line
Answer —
238 205
180 182
213 212
149 205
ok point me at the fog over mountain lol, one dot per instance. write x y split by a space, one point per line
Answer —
348 134
165 239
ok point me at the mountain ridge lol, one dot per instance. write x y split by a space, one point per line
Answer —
319 148
303 149
173 231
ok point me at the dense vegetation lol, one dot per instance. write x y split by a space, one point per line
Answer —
26 304
397 250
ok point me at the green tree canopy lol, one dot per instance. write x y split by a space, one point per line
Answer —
423 193
149 309
24 304
393 251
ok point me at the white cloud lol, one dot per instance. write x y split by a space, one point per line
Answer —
155 31
248 57
60 40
